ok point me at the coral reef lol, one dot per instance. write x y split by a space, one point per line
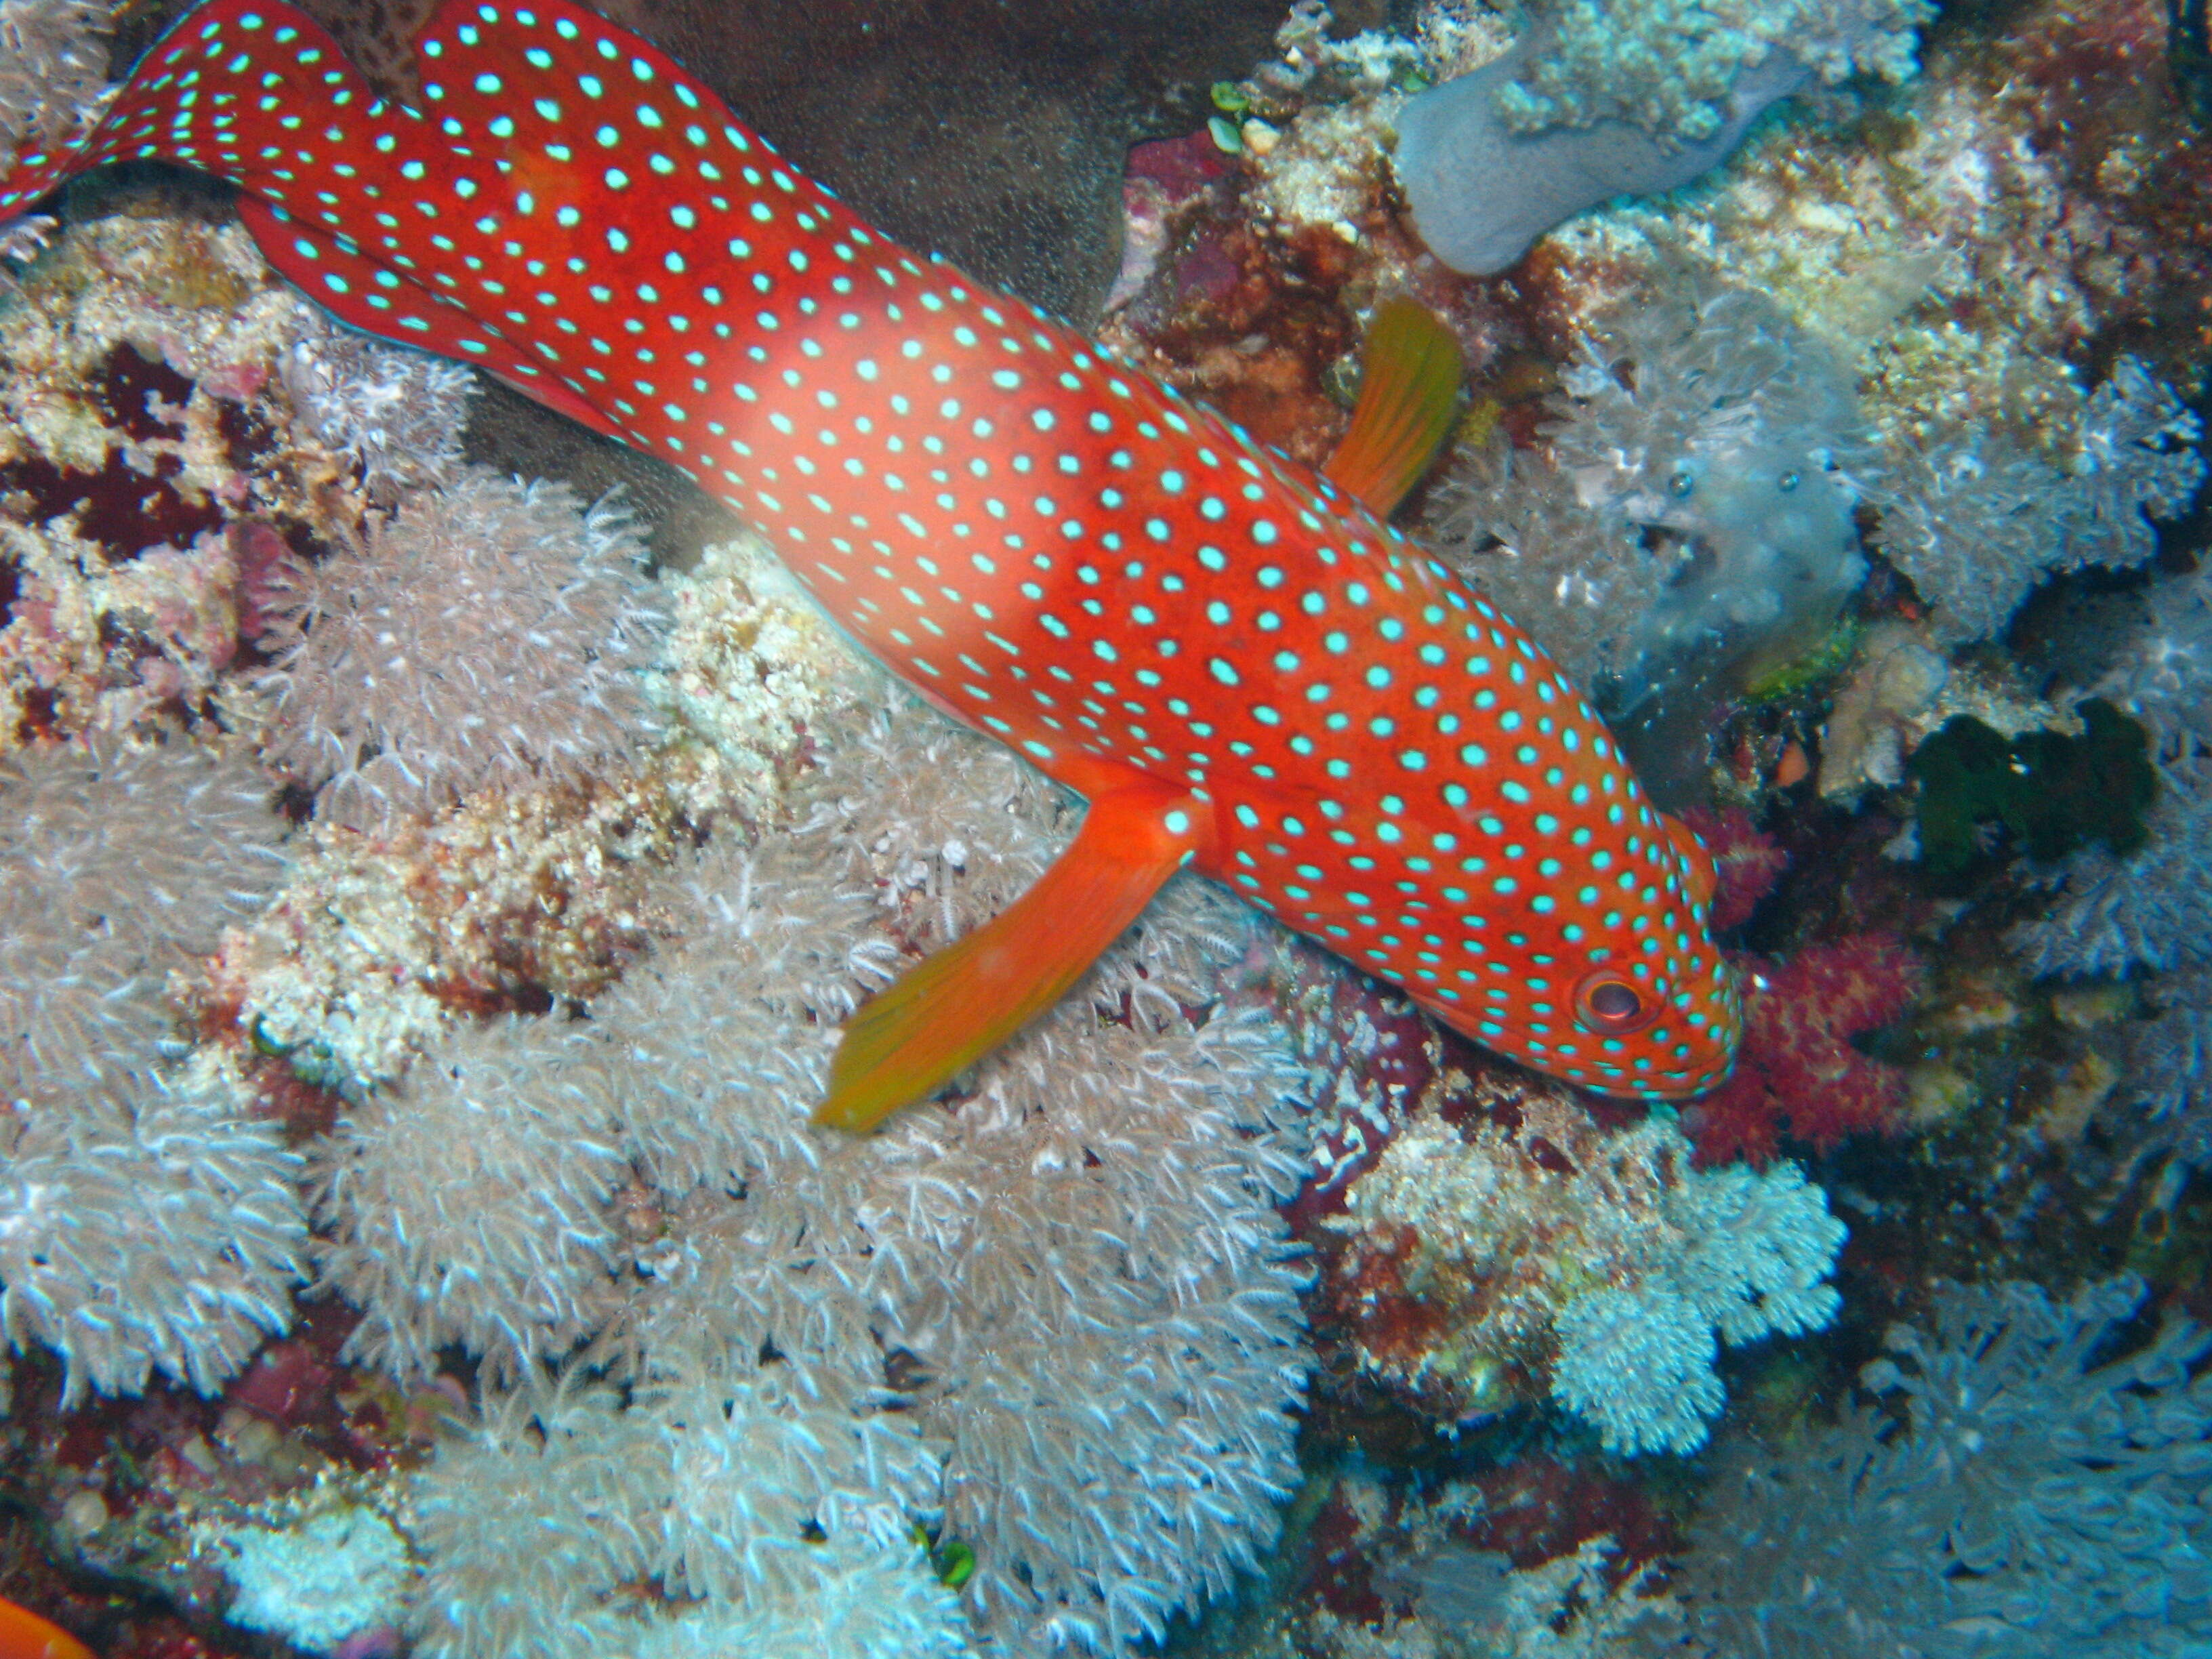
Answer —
1516 1237
1747 863
490 631
53 64
1669 67
647 1181
2039 1493
748 663
2164 1071
609 1348
1798 1072
136 362
396 415
1870 728
1691 515
1595 101
1976 519
2050 792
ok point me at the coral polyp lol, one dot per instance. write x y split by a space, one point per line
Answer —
489 630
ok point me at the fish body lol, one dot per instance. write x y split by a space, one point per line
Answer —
1242 667
24 1635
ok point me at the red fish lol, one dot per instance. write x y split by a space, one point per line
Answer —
24 1635
1239 664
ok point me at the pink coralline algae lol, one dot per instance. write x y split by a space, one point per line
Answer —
1798 1072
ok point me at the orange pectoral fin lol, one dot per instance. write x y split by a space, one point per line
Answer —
24 1635
947 1012
1408 394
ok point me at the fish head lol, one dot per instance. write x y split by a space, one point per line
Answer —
1426 793
1602 972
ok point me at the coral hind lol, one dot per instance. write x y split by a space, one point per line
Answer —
1063 553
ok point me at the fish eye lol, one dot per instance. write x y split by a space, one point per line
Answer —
1611 1005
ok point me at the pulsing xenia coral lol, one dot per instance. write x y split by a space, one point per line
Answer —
124 863
490 631
1690 507
396 414
145 1222
53 64
169 1239
701 1517
446 1227
2040 1499
1977 519
1668 65
1073 1280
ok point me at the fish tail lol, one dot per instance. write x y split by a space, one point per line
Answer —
204 95
560 168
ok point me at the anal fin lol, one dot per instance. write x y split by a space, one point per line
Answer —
950 1009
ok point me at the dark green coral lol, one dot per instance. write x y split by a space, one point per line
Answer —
2050 791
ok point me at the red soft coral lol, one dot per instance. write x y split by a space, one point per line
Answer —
1747 862
1797 1070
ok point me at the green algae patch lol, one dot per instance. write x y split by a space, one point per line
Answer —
2050 791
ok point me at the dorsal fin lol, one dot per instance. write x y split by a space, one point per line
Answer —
1408 394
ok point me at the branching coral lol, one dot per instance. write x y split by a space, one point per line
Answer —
2039 1499
1529 1241
2163 675
490 631
1979 520
2151 909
